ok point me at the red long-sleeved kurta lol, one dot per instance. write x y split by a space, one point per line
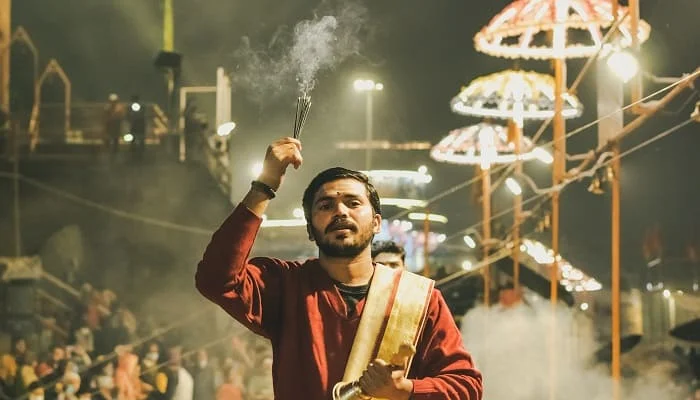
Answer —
299 309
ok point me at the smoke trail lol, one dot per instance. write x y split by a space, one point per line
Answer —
510 346
321 43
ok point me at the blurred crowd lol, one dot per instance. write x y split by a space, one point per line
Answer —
101 354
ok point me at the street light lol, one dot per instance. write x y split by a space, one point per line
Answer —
542 155
256 169
623 64
298 213
225 129
514 186
469 241
368 86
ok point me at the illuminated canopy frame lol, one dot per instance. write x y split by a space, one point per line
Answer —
573 279
516 95
511 33
481 144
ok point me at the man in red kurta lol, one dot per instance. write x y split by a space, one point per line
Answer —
310 310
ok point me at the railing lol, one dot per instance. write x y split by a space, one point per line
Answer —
86 124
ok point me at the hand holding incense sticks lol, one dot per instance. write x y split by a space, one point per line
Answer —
303 106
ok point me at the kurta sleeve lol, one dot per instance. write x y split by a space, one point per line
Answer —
249 290
442 368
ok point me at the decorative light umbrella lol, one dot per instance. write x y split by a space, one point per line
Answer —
523 30
515 32
483 144
514 95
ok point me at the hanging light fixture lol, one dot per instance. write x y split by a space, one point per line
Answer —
523 28
482 144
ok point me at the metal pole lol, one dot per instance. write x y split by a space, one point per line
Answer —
559 169
615 281
636 83
426 243
368 132
168 26
558 173
183 104
517 210
15 172
5 40
169 45
486 231
615 214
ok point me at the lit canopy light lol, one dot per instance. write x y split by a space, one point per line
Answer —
283 223
482 144
382 145
572 278
522 29
516 95
431 217
135 107
128 138
417 177
402 203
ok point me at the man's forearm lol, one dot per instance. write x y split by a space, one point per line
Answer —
256 201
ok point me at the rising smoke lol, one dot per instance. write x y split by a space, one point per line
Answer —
510 347
293 58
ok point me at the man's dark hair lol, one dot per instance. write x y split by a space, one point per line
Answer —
334 174
388 246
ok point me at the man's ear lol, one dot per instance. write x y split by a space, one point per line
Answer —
310 232
377 223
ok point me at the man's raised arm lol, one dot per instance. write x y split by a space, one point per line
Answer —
248 290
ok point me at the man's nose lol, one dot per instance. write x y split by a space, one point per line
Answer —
340 210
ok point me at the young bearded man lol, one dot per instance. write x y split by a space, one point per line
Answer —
310 311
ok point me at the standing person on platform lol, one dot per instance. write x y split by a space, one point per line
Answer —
389 253
312 311
114 114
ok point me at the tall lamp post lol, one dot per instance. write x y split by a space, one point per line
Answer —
368 86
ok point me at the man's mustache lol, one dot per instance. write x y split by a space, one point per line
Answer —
340 224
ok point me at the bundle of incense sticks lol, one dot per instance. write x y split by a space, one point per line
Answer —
303 106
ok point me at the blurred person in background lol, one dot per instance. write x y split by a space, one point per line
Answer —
389 253
203 375
232 387
259 385
114 114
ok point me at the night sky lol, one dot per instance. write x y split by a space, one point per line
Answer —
423 52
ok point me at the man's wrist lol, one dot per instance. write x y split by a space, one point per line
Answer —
271 181
264 188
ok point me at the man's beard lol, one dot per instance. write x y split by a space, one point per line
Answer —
343 250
